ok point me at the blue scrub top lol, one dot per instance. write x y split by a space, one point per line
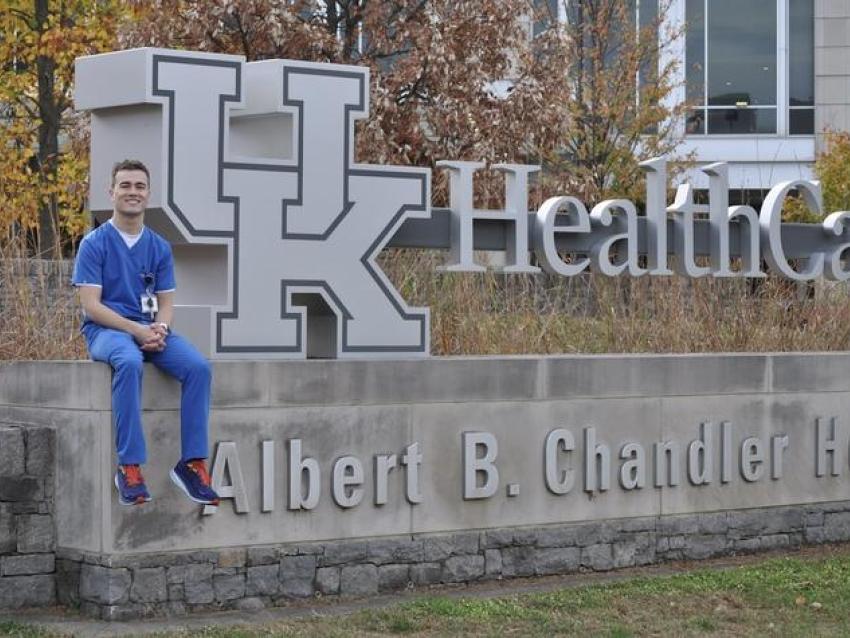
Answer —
104 260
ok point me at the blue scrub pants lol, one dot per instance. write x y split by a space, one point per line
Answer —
179 359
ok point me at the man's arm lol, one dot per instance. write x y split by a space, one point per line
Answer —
108 318
162 322
165 301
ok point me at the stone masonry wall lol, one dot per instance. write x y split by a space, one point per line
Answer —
124 587
27 562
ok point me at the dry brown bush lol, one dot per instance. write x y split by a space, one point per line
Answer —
39 314
492 313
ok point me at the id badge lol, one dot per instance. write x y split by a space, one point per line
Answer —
150 304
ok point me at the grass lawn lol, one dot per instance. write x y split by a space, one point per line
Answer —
797 595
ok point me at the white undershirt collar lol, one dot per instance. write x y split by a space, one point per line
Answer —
129 239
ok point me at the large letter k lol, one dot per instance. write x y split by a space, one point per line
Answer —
308 234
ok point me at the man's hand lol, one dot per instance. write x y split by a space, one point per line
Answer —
160 328
150 338
158 344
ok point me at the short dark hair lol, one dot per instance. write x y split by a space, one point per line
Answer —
130 165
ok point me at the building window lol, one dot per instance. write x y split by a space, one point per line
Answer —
801 81
546 15
733 76
646 26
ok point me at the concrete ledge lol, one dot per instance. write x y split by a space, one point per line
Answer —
826 372
84 385
657 375
69 385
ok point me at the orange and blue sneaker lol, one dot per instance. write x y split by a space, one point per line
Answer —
192 477
131 486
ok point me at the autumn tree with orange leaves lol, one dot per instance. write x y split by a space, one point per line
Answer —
618 85
483 80
44 162
489 80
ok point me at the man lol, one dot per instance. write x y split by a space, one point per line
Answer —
124 273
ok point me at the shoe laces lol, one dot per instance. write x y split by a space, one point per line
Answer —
200 468
132 474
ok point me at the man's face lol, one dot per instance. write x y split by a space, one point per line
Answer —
130 192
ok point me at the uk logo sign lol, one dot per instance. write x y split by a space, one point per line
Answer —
276 228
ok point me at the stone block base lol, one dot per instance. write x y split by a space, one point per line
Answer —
27 535
175 583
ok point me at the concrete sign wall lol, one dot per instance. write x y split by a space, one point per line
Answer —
317 451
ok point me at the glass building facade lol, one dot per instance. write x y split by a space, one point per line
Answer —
737 80
761 80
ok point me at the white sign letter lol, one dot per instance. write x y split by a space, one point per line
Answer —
475 466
